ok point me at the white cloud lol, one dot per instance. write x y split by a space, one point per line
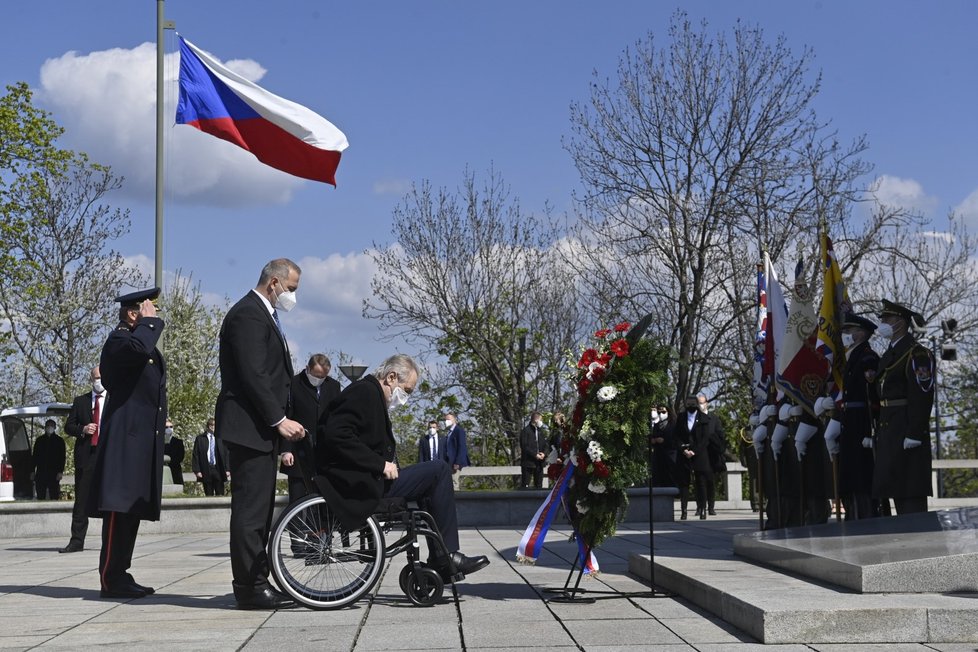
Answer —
106 101
903 193
391 186
968 209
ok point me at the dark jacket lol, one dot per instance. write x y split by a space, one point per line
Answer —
198 459
533 440
458 452
49 455
705 440
357 442
128 473
424 448
310 409
256 376
79 417
905 386
177 451
858 399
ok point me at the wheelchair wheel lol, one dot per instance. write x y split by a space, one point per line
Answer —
405 576
317 562
423 587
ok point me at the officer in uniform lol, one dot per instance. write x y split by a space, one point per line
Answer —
127 482
859 405
905 386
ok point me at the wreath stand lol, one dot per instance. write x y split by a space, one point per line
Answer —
577 595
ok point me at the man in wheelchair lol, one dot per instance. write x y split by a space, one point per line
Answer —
359 466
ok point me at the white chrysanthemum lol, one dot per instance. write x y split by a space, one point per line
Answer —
596 487
581 507
594 451
607 393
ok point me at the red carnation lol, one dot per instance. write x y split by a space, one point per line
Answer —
620 348
604 359
603 333
583 386
553 471
601 470
587 358
622 327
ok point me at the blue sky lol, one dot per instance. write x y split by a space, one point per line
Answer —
422 90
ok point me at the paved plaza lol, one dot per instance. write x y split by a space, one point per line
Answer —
50 601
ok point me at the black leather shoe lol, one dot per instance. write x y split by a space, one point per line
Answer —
712 512
682 517
702 516
148 590
267 599
72 547
127 591
699 512
469 565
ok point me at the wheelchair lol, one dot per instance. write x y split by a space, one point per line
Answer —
324 566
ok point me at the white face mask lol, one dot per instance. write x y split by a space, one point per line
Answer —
848 340
663 416
49 430
447 424
314 381
285 301
432 431
398 398
885 330
703 408
655 417
97 386
168 431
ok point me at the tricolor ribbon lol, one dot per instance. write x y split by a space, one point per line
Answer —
532 542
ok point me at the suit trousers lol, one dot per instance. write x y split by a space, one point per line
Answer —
431 482
213 482
118 541
252 502
83 486
535 472
913 505
47 486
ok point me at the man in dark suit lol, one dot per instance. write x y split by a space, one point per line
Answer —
83 424
176 451
127 482
432 446
361 467
312 392
533 451
209 461
49 463
856 439
457 450
905 387
252 408
700 443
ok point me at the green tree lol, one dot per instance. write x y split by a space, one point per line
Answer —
190 341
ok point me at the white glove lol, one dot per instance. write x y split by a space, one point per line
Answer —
752 421
777 439
767 412
784 413
867 442
804 432
910 443
758 437
796 411
820 405
832 431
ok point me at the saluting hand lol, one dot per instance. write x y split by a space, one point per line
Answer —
291 430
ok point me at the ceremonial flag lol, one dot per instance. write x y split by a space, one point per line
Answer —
831 316
801 368
762 367
775 320
280 133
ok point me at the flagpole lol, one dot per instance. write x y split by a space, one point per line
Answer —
161 24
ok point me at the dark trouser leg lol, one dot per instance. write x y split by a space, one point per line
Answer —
252 501
41 486
862 504
525 472
118 541
538 476
913 505
297 489
79 513
431 481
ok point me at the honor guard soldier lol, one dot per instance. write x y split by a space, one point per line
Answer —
127 482
905 386
858 407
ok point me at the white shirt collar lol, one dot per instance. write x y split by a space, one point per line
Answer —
268 305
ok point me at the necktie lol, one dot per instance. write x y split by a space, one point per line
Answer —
210 450
96 419
278 323
434 447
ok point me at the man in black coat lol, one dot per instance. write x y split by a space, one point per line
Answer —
49 463
252 409
432 446
533 451
361 467
855 441
176 451
127 483
209 461
83 424
905 386
312 392
700 439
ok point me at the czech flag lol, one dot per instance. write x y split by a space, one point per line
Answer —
280 133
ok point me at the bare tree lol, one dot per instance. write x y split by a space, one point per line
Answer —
474 280
693 159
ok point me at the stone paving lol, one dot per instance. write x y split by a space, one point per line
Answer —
50 601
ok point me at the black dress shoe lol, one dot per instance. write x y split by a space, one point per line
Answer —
72 547
682 517
712 512
148 590
128 591
267 599
702 516
699 511
469 565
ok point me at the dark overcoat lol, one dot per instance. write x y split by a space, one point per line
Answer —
856 461
905 386
310 409
256 376
357 442
532 441
79 417
128 474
